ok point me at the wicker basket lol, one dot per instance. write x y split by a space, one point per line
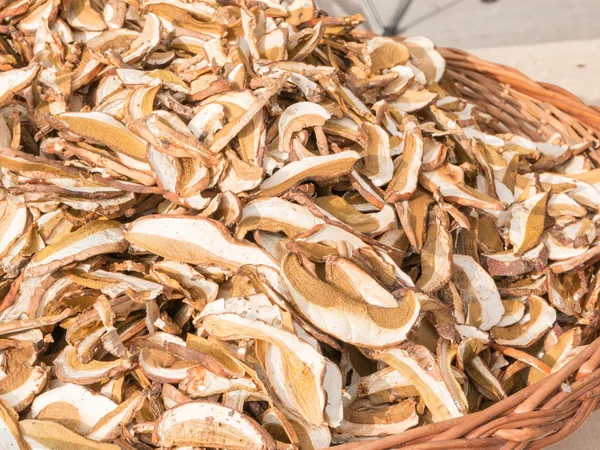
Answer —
549 411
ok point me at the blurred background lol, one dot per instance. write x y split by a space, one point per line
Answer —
556 41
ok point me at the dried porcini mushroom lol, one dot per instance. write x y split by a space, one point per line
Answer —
247 225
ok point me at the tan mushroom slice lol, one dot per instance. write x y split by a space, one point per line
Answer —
287 357
318 168
297 117
23 381
109 426
484 380
200 382
419 366
566 291
406 174
10 434
162 366
367 223
102 129
69 405
566 342
436 255
351 279
412 101
275 215
449 180
180 276
208 424
176 238
381 420
15 80
477 287
384 379
82 15
115 284
352 320
48 435
13 223
446 352
527 222
508 264
70 370
94 238
514 310
378 165
413 215
405 76
534 324
384 53
424 55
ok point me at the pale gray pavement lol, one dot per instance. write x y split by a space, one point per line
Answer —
557 41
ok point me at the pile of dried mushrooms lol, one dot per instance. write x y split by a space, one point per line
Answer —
240 225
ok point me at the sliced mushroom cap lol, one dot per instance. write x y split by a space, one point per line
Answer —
296 118
508 264
10 434
70 405
69 369
479 291
47 435
94 238
208 424
318 168
527 222
418 365
436 255
351 320
175 237
378 165
406 174
534 324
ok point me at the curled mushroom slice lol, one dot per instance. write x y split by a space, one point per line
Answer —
162 366
534 324
318 168
10 434
176 238
69 369
275 215
109 426
378 165
424 55
102 129
208 424
294 367
381 420
449 180
94 238
13 81
436 255
200 382
513 312
297 117
478 290
69 405
527 222
352 320
508 264
22 381
406 174
48 435
13 222
384 379
370 224
419 366
383 53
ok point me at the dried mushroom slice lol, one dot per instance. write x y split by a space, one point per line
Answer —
508 264
436 254
94 238
539 318
209 424
14 81
175 238
377 159
11 436
406 174
318 168
275 215
418 365
352 320
381 420
70 370
47 435
69 405
527 222
479 292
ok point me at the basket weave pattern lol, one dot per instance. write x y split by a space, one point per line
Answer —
554 408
